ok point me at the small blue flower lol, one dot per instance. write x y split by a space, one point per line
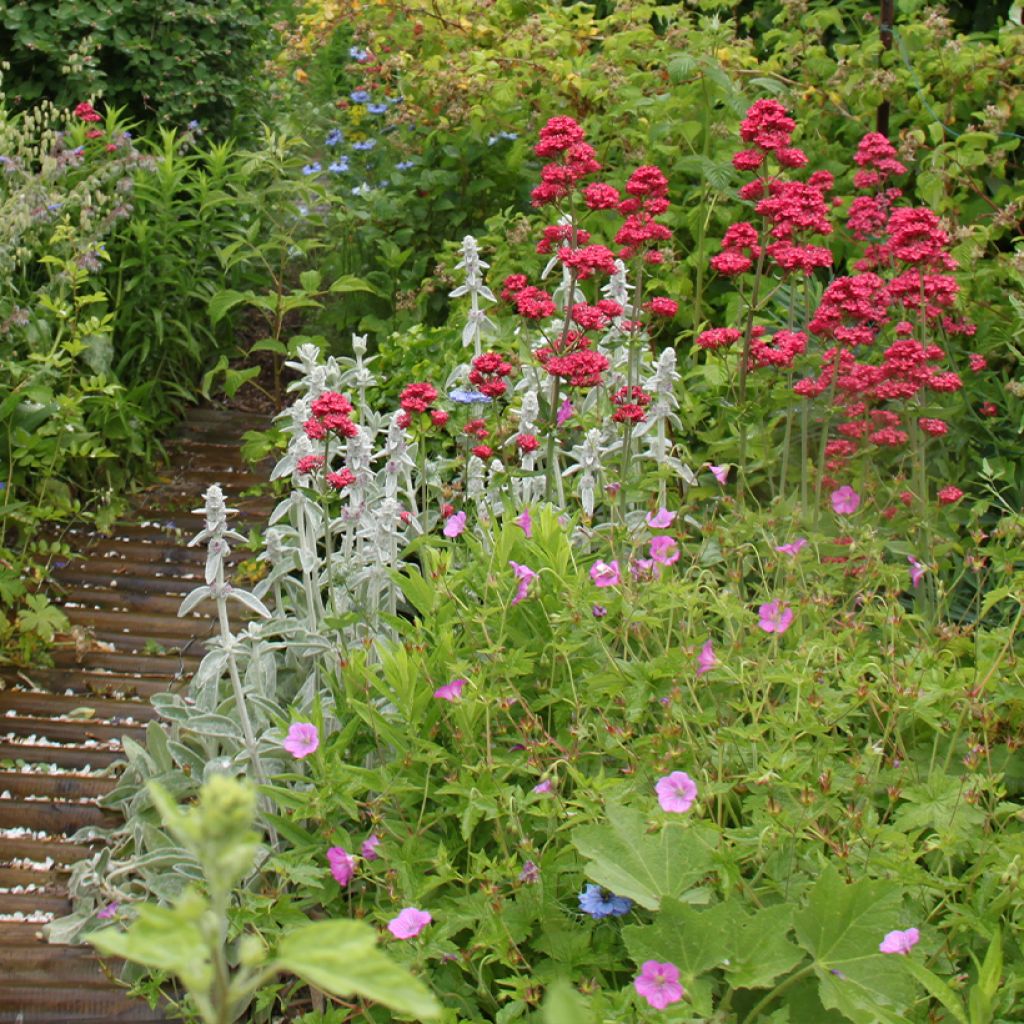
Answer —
359 96
194 127
376 108
356 53
598 903
495 139
365 145
467 396
404 165
394 101
303 210
313 168
334 136
339 166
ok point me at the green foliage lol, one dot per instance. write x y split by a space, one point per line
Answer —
191 60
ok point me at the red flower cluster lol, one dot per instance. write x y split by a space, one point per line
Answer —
419 398
331 413
718 337
876 153
488 373
630 404
86 112
562 138
341 480
780 351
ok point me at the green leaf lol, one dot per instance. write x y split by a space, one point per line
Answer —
350 283
841 927
760 950
222 302
341 958
629 862
936 987
564 1005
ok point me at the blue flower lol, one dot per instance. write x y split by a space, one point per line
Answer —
357 54
303 210
193 126
466 396
339 166
365 144
334 136
313 168
404 165
376 108
495 139
598 903
359 96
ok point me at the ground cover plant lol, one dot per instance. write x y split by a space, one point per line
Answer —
601 706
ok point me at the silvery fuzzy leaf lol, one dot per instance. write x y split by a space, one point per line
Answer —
251 602
193 598
210 724
214 561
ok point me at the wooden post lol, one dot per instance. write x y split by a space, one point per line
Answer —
885 20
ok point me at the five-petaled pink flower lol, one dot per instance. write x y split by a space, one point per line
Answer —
658 983
526 576
676 792
409 923
543 787
845 500
525 522
720 473
369 847
109 911
565 412
706 660
454 524
917 571
660 520
793 548
775 617
302 739
343 865
450 691
605 574
664 550
899 942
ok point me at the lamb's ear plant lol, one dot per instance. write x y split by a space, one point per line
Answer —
192 940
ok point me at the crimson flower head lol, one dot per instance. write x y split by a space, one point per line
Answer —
417 397
86 112
768 125
647 181
557 136
950 495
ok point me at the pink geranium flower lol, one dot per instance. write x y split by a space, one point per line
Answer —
543 787
720 473
369 847
845 501
450 691
658 983
409 923
664 550
605 574
793 548
565 412
525 522
454 524
775 617
302 739
525 575
917 571
676 792
343 865
109 911
706 660
900 942
660 520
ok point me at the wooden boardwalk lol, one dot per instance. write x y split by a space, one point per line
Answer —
62 726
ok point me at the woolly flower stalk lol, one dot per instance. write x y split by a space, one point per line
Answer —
477 321
587 457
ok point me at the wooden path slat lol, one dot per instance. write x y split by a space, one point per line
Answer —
121 591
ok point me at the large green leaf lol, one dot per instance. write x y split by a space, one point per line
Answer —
341 958
841 927
564 1005
625 859
760 949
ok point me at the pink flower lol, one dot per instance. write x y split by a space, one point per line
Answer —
605 574
409 923
450 691
109 911
525 522
775 617
664 550
526 576
302 739
899 942
660 520
706 660
676 792
917 571
343 865
845 501
455 524
949 495
369 847
794 547
565 412
720 473
543 787
658 983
